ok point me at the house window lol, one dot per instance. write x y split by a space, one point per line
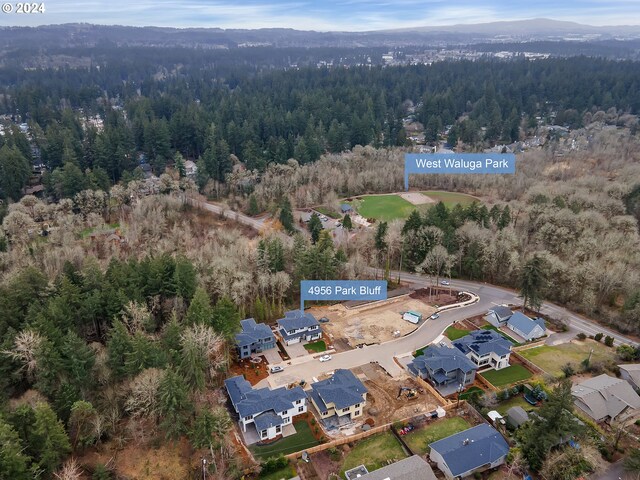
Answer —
298 402
357 405
345 410
249 417
300 409
357 413
278 428
263 433
324 413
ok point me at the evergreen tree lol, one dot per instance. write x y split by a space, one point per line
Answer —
347 224
209 427
199 311
315 227
14 172
254 209
505 218
48 438
286 215
119 348
14 463
178 165
226 318
533 282
185 278
174 404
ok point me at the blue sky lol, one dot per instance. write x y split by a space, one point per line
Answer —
324 15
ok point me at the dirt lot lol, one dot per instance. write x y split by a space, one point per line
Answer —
383 404
253 372
417 198
370 324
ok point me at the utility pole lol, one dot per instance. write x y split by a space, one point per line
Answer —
204 468
459 390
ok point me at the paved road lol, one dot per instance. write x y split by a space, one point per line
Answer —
430 330
615 472
256 223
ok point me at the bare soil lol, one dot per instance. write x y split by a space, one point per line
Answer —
371 323
417 198
253 372
436 296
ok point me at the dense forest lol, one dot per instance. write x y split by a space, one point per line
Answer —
269 117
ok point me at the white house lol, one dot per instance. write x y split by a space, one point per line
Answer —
297 326
268 410
485 348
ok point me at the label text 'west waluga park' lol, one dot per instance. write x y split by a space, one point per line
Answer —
486 163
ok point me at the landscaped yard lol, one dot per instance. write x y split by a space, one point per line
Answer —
469 392
302 439
506 376
453 333
373 452
284 473
552 359
385 207
316 347
451 198
517 401
419 440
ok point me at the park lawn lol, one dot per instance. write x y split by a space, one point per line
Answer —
301 440
451 198
517 401
373 452
419 440
284 473
316 347
385 207
552 359
506 376
453 333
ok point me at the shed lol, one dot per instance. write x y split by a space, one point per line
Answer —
517 416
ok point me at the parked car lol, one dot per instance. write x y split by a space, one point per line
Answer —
276 369
323 218
325 358
446 283
323 320
434 316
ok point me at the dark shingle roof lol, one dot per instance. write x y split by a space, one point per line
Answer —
296 319
437 358
482 342
252 332
524 324
502 312
467 450
343 389
267 420
248 401
412 468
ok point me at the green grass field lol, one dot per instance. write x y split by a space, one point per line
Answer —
506 376
453 333
302 439
419 440
316 347
385 207
552 359
373 452
517 401
469 392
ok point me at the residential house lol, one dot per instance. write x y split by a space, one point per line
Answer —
445 367
605 398
498 315
474 450
268 410
342 394
517 416
298 325
631 373
485 348
411 468
526 327
253 338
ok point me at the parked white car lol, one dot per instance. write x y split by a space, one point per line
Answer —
276 369
325 358
434 316
446 283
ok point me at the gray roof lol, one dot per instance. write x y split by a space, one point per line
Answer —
436 358
517 416
502 312
253 332
604 396
633 370
296 319
248 401
525 324
343 389
345 207
482 342
412 468
267 420
470 449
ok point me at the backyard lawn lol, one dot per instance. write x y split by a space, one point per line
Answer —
506 376
302 439
419 440
284 473
373 452
517 401
552 359
469 392
451 198
385 207
316 347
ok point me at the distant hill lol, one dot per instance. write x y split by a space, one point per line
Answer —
508 31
